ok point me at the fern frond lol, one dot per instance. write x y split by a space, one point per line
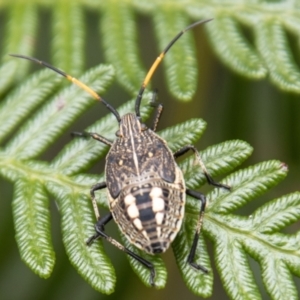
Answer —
20 34
234 49
270 55
235 238
118 32
22 101
274 48
180 63
77 225
56 115
32 226
68 29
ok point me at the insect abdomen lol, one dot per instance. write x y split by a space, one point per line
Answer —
150 214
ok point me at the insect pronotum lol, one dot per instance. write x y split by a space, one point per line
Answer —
145 187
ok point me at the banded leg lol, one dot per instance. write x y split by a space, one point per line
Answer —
209 179
192 253
96 187
159 109
99 226
94 135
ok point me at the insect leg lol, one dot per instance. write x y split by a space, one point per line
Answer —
99 226
96 187
192 253
158 111
209 179
95 136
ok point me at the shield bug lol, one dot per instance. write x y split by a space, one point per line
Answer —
145 187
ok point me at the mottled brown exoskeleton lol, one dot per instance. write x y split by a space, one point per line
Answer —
145 187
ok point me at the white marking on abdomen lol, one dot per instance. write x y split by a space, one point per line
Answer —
156 192
129 199
133 211
158 204
138 224
159 218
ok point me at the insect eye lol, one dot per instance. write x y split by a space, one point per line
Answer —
118 134
143 127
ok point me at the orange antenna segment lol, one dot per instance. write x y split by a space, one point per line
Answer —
158 61
74 80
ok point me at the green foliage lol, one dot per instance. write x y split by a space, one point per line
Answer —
120 43
267 53
33 227
234 237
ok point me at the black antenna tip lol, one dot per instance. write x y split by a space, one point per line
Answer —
26 57
40 62
198 23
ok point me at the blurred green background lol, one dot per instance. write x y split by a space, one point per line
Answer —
233 107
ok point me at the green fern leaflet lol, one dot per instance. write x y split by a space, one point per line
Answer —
234 237
254 39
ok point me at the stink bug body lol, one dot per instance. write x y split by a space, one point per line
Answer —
145 187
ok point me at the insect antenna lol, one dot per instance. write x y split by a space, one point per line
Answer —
157 62
74 80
